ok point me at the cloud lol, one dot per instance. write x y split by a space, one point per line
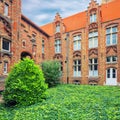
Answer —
44 11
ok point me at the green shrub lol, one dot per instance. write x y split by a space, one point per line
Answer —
25 84
52 72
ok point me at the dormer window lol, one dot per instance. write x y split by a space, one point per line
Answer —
6 9
93 18
57 28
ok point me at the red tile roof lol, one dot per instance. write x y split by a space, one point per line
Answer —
109 11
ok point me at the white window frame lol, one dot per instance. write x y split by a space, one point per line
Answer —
93 72
58 46
77 68
93 37
77 42
110 33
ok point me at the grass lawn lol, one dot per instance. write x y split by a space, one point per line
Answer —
71 102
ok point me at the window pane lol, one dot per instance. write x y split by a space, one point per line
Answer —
6 45
90 18
108 39
95 60
90 68
96 73
108 59
95 67
58 28
114 58
90 34
90 43
113 73
108 75
79 62
75 62
114 29
94 17
114 38
108 31
95 33
5 67
95 42
6 9
79 45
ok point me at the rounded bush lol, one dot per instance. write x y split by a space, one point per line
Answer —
25 84
52 72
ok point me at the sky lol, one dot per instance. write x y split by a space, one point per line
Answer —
43 11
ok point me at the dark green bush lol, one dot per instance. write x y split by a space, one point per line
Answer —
25 84
52 72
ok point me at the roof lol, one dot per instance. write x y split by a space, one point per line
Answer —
33 24
109 11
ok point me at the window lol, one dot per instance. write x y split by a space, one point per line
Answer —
43 45
77 42
57 28
111 36
93 67
93 39
5 67
111 59
6 9
57 46
6 45
93 18
77 68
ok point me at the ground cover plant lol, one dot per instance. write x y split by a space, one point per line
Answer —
25 84
71 102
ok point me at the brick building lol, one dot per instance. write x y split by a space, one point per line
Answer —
86 44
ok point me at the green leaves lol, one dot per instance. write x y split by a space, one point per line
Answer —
71 102
25 84
52 72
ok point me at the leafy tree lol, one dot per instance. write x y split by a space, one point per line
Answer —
25 84
52 72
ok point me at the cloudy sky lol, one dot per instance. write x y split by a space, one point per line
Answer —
44 11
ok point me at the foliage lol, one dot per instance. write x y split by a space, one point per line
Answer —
71 102
25 84
52 72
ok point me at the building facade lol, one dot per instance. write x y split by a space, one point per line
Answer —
86 44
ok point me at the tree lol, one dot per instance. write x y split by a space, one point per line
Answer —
52 72
25 84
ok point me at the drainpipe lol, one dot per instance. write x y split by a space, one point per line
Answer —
67 57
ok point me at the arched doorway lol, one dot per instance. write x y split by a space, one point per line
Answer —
111 76
25 54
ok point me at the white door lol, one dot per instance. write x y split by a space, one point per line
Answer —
111 76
